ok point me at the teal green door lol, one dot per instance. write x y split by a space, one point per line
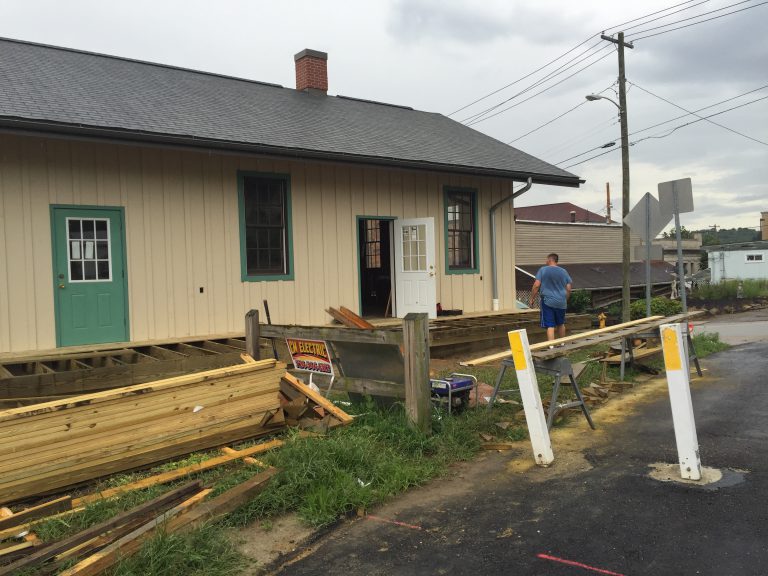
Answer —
89 275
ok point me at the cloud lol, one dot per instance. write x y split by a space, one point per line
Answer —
475 23
728 51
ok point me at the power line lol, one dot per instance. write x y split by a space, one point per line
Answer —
528 75
699 110
666 15
651 14
548 122
695 23
702 117
540 92
606 145
694 112
676 128
670 132
566 144
550 75
523 77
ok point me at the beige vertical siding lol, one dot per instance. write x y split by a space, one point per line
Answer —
182 233
574 243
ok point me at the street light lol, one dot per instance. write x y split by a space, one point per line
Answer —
624 204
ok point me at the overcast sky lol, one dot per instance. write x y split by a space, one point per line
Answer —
440 55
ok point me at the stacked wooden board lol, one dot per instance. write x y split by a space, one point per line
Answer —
46 447
102 545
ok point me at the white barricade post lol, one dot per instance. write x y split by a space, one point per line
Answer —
529 391
676 365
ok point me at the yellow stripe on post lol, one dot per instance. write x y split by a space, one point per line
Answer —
518 354
671 350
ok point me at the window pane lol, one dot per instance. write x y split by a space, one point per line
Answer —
103 269
101 229
75 270
88 229
89 270
89 250
74 229
74 251
102 250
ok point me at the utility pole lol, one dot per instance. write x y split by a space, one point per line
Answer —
624 173
607 202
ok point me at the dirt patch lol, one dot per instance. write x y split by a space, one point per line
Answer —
265 543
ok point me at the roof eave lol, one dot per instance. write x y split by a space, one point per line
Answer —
58 129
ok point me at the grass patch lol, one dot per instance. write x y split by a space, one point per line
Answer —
203 552
708 343
729 290
366 463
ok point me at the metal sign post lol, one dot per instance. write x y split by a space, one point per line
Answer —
529 391
647 220
675 198
647 255
673 337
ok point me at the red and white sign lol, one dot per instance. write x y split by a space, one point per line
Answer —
310 355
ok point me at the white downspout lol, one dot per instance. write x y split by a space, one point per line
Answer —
494 268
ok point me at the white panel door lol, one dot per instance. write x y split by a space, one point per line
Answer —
415 285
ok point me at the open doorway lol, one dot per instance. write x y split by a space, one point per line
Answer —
374 240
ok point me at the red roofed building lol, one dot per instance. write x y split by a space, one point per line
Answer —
559 212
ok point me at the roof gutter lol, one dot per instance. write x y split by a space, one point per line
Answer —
494 267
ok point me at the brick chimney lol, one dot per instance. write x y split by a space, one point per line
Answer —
764 226
311 71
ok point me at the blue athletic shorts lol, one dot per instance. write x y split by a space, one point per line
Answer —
551 317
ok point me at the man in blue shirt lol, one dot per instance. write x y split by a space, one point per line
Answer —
555 286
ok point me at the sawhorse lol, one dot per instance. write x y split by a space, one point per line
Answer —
627 347
556 367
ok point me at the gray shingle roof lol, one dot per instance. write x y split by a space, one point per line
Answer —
49 88
604 275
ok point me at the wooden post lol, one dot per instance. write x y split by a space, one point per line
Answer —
252 334
416 356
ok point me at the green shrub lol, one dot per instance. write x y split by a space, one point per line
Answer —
728 290
660 306
580 301
614 310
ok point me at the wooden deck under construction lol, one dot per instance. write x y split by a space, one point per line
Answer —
50 375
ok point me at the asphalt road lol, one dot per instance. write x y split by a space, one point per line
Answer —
739 328
596 506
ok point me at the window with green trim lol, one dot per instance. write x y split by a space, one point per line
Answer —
265 226
461 230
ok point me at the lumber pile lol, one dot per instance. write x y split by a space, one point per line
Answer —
348 318
52 445
99 547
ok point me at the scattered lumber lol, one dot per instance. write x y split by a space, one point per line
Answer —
51 550
57 444
40 511
246 459
186 515
636 354
294 385
545 345
172 475
348 318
